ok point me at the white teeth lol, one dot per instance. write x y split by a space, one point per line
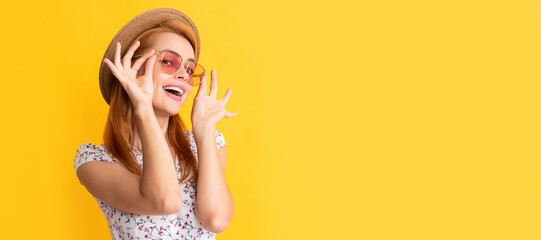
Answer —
174 89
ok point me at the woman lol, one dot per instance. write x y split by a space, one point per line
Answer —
181 192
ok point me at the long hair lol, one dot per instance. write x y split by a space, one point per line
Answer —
118 135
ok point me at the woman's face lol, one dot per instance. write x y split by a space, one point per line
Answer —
165 103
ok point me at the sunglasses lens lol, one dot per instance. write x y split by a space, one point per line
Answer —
170 62
197 73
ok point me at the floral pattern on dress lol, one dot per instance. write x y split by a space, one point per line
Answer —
124 225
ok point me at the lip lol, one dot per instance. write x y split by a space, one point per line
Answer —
174 97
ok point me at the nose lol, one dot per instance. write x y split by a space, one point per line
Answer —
182 74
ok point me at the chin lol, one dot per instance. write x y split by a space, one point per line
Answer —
170 110
167 106
165 112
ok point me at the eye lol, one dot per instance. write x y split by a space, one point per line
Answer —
167 62
189 71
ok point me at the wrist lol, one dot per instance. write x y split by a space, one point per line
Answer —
143 111
202 131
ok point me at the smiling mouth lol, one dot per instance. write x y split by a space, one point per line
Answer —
174 90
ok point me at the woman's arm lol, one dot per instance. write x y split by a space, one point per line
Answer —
214 204
214 207
159 182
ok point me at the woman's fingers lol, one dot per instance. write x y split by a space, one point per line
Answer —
229 114
112 67
221 112
137 64
225 99
213 84
202 86
129 54
117 56
149 66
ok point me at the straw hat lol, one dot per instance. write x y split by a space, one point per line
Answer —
134 28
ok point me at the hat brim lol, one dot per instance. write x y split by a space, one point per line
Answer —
135 27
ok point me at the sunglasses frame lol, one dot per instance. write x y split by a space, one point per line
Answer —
184 66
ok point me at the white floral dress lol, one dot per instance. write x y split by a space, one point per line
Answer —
125 225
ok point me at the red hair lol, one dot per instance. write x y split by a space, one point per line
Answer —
118 135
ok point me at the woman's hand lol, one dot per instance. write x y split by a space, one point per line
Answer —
207 111
139 88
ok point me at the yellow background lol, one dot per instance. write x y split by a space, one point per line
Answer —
388 119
